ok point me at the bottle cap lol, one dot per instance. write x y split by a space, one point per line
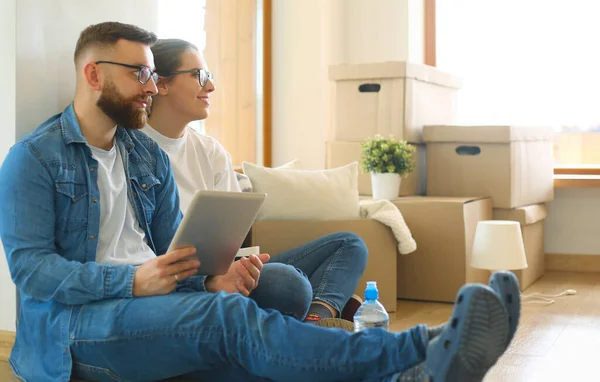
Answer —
371 293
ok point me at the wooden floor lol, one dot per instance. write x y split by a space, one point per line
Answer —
558 342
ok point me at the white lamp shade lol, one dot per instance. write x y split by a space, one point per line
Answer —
498 246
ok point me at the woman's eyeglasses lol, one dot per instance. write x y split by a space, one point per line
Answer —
203 75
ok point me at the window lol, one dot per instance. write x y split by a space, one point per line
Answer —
530 62
231 36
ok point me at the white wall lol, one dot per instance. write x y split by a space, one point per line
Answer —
573 222
7 139
47 32
311 35
299 81
40 52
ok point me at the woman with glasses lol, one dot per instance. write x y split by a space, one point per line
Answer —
314 282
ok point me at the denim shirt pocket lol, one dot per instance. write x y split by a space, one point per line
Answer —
71 200
144 186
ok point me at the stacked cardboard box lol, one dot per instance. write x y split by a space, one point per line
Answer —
389 98
444 229
512 165
531 218
399 98
468 173
501 173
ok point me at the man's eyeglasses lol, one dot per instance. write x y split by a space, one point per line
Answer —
144 72
203 75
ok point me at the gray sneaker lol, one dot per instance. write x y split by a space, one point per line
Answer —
472 340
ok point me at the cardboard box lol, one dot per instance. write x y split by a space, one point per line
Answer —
444 229
531 219
341 153
512 165
395 98
275 237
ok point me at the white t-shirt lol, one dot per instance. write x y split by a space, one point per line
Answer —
121 240
199 162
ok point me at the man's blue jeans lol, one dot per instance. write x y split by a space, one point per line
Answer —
227 337
326 269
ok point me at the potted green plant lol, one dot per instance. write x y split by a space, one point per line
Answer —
388 160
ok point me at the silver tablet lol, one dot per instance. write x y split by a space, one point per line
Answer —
216 224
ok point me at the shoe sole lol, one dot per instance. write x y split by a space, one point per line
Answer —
336 323
473 339
506 286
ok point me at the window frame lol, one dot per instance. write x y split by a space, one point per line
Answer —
262 123
267 83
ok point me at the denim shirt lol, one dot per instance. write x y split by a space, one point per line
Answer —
49 226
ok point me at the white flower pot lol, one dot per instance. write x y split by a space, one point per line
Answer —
385 185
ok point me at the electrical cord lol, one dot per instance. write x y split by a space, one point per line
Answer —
547 299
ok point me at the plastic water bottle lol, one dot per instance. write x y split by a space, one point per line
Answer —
371 313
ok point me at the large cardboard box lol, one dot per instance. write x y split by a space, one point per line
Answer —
275 237
531 219
342 153
391 98
444 229
512 165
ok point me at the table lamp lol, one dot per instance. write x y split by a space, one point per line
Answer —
498 246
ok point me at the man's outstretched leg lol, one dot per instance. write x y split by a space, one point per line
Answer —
159 337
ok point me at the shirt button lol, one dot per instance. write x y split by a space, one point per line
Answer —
92 169
144 185
94 201
92 237
133 194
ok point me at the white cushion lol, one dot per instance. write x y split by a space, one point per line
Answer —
246 184
294 164
330 194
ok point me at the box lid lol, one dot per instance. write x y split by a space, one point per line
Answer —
438 199
486 134
525 215
394 69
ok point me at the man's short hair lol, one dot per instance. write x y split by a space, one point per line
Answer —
108 33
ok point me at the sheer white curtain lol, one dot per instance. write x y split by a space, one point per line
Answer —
533 62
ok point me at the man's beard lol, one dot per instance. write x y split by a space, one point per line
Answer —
120 110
